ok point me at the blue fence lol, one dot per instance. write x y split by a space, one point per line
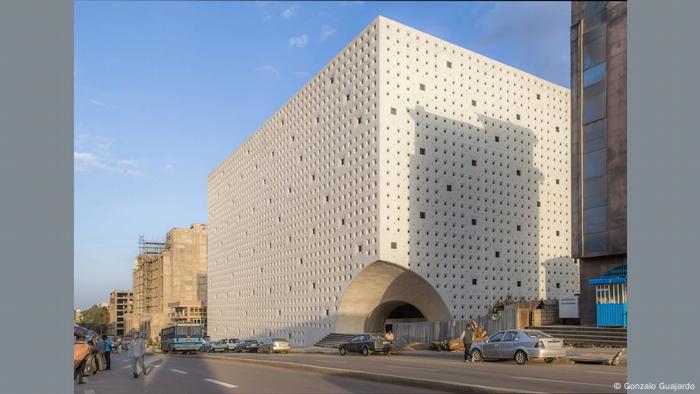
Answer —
611 315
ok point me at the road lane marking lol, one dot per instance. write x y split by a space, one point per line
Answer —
401 366
561 381
609 373
178 371
220 383
126 366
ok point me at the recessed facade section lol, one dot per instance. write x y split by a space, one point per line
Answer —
284 233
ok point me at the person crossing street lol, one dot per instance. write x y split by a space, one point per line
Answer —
137 349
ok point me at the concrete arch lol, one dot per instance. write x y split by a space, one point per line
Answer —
377 290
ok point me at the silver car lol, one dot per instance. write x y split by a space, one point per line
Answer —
224 345
273 345
518 345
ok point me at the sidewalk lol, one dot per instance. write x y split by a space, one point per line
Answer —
592 355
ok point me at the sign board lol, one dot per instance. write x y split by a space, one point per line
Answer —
568 308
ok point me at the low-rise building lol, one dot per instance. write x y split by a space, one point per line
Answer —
120 303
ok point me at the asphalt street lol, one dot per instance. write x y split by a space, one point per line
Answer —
190 375
505 375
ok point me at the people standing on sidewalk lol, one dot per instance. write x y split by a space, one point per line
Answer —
137 349
107 351
100 352
93 359
389 336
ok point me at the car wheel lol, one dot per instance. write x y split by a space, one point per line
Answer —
476 355
520 357
343 351
365 351
549 360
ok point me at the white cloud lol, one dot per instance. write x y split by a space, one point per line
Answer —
93 153
268 70
127 163
84 161
326 31
300 42
290 12
98 103
168 167
94 143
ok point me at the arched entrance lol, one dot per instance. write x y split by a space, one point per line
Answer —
383 292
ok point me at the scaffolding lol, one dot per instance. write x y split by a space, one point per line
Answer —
144 299
150 248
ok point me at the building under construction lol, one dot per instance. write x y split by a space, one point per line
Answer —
167 275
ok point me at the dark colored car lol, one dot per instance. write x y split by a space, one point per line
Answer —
365 344
247 346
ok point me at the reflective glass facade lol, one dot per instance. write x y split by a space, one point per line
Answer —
594 139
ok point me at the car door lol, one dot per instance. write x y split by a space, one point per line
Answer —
508 344
491 349
356 345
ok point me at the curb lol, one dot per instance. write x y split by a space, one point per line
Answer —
453 387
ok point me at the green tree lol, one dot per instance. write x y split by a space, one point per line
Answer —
96 318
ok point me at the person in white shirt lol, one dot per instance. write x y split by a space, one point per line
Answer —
137 349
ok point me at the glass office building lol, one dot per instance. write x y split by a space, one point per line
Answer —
599 142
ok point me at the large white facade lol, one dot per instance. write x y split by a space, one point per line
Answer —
407 170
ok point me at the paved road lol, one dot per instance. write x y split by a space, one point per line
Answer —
189 375
533 376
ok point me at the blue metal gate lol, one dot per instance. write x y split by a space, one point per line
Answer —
611 298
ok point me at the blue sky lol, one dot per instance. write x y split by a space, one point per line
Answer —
164 91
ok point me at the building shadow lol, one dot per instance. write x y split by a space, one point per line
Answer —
474 209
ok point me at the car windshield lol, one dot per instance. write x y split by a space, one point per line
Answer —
537 334
279 340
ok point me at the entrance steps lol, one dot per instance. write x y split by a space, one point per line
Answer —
333 340
587 335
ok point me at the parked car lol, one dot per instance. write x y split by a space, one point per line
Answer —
224 345
366 344
247 346
273 345
519 345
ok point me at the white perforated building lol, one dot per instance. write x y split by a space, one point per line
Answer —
410 179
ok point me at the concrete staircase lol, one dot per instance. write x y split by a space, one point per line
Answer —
333 340
587 335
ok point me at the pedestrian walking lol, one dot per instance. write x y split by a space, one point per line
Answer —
107 351
137 349
466 338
